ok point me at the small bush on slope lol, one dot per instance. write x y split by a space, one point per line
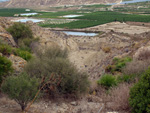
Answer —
107 81
118 64
20 31
23 54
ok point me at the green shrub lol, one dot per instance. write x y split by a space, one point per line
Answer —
60 75
126 78
118 64
140 94
23 54
21 88
107 81
20 31
5 67
5 49
25 44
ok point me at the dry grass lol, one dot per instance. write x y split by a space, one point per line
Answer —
106 49
144 54
116 99
136 67
119 97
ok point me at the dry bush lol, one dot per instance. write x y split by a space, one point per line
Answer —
106 49
144 54
136 67
119 97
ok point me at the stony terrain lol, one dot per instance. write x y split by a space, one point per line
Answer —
49 3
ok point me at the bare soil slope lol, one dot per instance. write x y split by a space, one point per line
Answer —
49 3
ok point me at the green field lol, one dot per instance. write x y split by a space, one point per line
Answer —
97 18
92 15
140 7
55 14
9 12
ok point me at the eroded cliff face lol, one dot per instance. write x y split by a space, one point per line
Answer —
89 54
4 35
50 3
48 38
92 54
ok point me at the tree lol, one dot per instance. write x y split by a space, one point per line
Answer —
55 69
21 88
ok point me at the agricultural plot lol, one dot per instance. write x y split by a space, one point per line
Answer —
10 12
141 7
98 18
55 14
57 21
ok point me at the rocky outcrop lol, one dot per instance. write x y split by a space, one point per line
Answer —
5 22
4 35
7 38
18 63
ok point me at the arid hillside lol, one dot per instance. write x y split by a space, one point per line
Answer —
93 55
49 3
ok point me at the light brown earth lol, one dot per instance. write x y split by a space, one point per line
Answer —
120 28
51 3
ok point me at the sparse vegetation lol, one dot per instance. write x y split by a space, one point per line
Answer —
54 75
136 67
118 64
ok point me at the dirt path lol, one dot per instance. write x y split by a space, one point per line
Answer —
118 3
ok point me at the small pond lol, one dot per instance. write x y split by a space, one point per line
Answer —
133 1
71 16
127 2
28 19
28 14
79 33
3 0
